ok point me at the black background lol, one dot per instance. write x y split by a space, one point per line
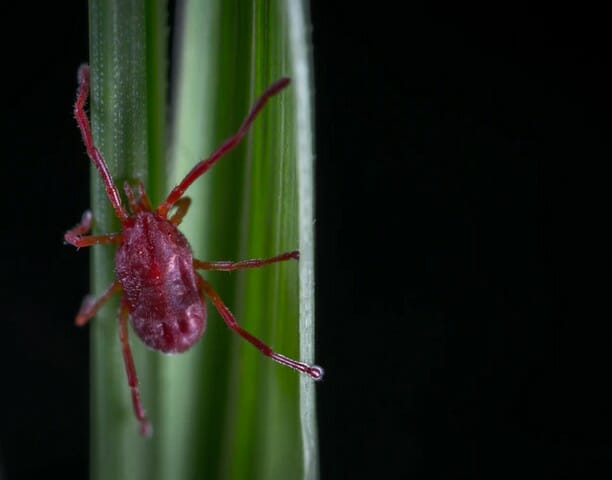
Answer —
462 213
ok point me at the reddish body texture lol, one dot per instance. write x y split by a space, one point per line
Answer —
161 292
154 266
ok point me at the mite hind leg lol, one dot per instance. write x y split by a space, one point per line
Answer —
313 371
76 235
130 370
91 304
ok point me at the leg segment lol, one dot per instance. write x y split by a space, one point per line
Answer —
142 203
91 305
75 236
129 193
182 205
230 143
312 371
254 263
130 370
143 198
93 153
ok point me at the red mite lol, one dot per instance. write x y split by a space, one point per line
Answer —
162 293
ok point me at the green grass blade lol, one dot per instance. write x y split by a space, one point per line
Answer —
298 21
127 113
221 410
254 418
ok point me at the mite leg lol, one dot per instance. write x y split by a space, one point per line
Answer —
91 305
201 167
145 426
312 371
254 263
142 203
129 193
143 198
75 236
92 152
181 205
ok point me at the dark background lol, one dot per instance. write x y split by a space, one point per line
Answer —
462 214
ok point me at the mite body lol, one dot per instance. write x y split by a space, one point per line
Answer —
154 266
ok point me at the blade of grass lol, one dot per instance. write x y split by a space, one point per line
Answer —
127 112
221 410
298 21
188 452
210 99
248 422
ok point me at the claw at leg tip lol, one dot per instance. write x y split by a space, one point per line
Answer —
315 372
146 429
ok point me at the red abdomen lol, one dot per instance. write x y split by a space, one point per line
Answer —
154 266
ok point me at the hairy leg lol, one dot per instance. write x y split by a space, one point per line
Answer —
92 151
181 205
226 266
204 165
312 371
145 426
75 236
91 305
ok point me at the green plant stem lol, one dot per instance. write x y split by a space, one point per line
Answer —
298 21
220 410
126 106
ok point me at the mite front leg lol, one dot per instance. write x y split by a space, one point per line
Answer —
313 371
145 426
181 206
92 151
91 305
224 266
204 165
75 237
